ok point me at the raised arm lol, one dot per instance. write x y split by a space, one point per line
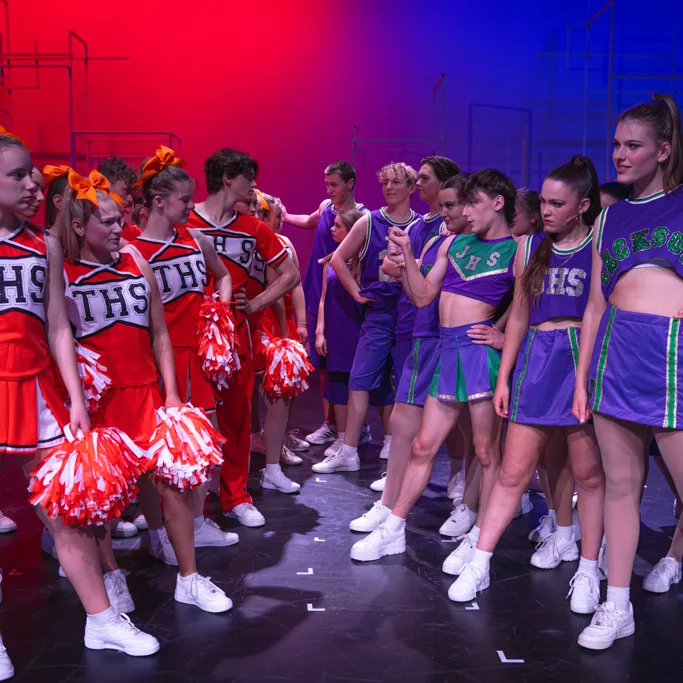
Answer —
215 266
59 337
350 247
595 308
304 221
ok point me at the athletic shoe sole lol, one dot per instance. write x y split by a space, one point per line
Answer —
583 609
97 644
217 609
469 596
345 468
395 548
8 529
359 528
249 524
660 589
272 487
320 442
605 644
570 555
224 544
7 675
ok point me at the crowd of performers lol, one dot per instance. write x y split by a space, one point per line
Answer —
528 332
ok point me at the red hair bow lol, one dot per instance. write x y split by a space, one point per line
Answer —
164 156
86 188
51 173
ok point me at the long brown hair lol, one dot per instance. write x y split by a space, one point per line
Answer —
528 202
578 174
664 118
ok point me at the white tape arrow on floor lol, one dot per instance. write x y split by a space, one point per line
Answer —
314 609
505 660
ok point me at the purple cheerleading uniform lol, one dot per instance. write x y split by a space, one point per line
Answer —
545 373
422 361
374 354
323 244
479 269
636 370
420 231
343 320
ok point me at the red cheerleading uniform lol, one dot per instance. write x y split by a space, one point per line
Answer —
180 271
246 246
130 232
32 412
109 310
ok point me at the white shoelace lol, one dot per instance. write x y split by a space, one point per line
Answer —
604 616
126 624
203 584
465 546
212 525
583 577
550 542
374 510
473 573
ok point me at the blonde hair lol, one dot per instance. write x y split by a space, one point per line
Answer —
74 210
402 170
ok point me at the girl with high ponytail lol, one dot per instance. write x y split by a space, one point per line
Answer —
541 344
631 359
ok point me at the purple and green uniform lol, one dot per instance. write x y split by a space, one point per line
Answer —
545 374
478 269
636 371
373 358
423 359
420 231
323 244
343 320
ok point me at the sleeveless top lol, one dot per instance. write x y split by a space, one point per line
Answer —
23 277
638 230
480 269
374 283
420 231
108 307
566 283
427 318
180 271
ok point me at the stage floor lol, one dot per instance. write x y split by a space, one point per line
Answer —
305 612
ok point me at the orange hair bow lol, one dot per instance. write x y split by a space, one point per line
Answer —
164 156
51 173
265 206
6 133
86 188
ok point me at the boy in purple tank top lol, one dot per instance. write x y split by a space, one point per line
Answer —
340 182
379 293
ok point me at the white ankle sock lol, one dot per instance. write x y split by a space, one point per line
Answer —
588 566
565 533
103 618
481 559
349 451
387 439
340 436
619 596
395 523
474 533
186 579
273 469
553 515
198 523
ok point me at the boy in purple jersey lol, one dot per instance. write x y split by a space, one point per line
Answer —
340 182
372 362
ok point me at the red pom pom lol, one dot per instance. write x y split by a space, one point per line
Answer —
90 480
287 368
216 342
93 377
186 447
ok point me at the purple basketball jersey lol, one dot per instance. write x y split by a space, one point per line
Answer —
373 282
567 280
638 230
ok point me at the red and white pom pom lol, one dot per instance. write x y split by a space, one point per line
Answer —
287 368
93 377
89 480
186 447
216 342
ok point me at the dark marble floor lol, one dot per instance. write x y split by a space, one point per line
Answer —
304 612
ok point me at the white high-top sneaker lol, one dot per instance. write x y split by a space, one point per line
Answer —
118 593
6 668
200 591
369 521
379 543
120 634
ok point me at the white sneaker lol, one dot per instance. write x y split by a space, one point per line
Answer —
602 561
551 552
287 457
118 593
247 515
6 668
326 433
584 589
456 561
122 529
294 443
200 591
545 527
472 580
140 522
607 625
335 447
460 522
210 535
120 634
379 543
278 481
365 435
337 463
456 488
257 443
376 515
664 574
378 485
161 549
525 506
7 525
384 453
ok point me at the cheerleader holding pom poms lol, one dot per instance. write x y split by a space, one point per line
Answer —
32 413
115 310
